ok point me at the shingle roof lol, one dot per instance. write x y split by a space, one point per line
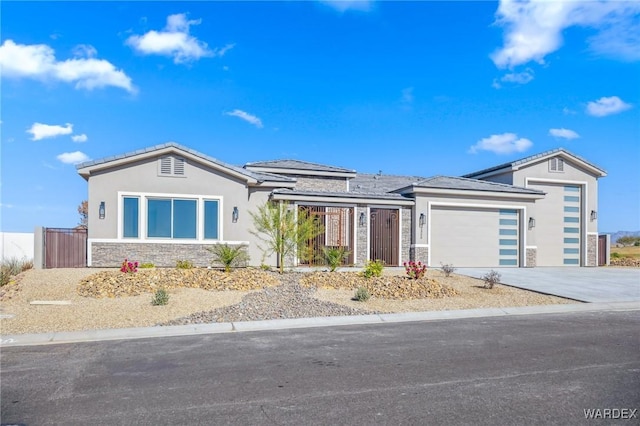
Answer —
380 184
260 177
465 184
299 165
529 159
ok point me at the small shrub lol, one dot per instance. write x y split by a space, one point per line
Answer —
334 256
229 256
265 267
415 270
491 278
616 255
184 264
373 268
5 275
147 265
160 298
362 294
129 267
447 269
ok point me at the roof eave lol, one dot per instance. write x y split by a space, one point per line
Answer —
281 196
471 192
87 171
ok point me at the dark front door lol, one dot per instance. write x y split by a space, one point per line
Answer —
602 250
384 236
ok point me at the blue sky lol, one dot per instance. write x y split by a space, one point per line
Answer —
418 88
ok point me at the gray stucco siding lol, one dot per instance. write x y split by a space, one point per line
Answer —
199 182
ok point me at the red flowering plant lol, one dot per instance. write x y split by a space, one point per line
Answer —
129 267
415 270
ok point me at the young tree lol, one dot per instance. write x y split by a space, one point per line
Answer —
83 211
282 232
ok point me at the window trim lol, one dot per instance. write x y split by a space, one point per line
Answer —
143 198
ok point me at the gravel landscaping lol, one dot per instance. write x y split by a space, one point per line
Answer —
87 299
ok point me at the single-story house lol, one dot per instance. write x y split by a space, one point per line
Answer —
169 203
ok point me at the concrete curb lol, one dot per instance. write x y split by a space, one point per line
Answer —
283 324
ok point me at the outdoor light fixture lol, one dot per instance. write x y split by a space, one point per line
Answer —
363 219
532 223
101 210
234 215
423 219
594 215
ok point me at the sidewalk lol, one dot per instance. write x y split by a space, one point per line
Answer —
195 329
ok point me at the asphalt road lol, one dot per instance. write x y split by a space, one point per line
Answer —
536 369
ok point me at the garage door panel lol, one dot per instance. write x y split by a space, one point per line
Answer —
474 237
558 228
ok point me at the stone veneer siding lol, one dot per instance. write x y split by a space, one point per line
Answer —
161 255
320 183
592 250
532 255
361 238
406 234
420 254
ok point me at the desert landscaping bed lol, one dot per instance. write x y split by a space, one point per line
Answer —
99 299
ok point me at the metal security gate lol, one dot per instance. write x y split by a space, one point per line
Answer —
65 248
335 226
384 236
602 250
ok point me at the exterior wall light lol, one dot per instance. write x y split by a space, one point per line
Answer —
423 220
234 215
101 210
532 223
594 215
363 219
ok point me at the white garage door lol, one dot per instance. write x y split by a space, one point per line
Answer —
558 225
472 237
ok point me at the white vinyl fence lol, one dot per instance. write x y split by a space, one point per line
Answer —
16 245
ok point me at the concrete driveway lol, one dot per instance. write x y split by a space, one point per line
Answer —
604 284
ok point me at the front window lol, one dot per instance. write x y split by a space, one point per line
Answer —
211 219
130 217
171 218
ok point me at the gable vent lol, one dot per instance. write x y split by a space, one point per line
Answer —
171 166
556 164
178 166
165 166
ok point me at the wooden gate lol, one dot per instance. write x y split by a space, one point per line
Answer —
384 236
65 248
336 226
602 250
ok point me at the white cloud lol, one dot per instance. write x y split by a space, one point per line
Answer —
564 133
506 143
607 106
79 138
568 111
38 61
249 118
43 131
407 95
175 41
533 29
344 5
523 77
84 51
72 157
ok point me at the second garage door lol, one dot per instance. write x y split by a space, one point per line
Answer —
473 237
